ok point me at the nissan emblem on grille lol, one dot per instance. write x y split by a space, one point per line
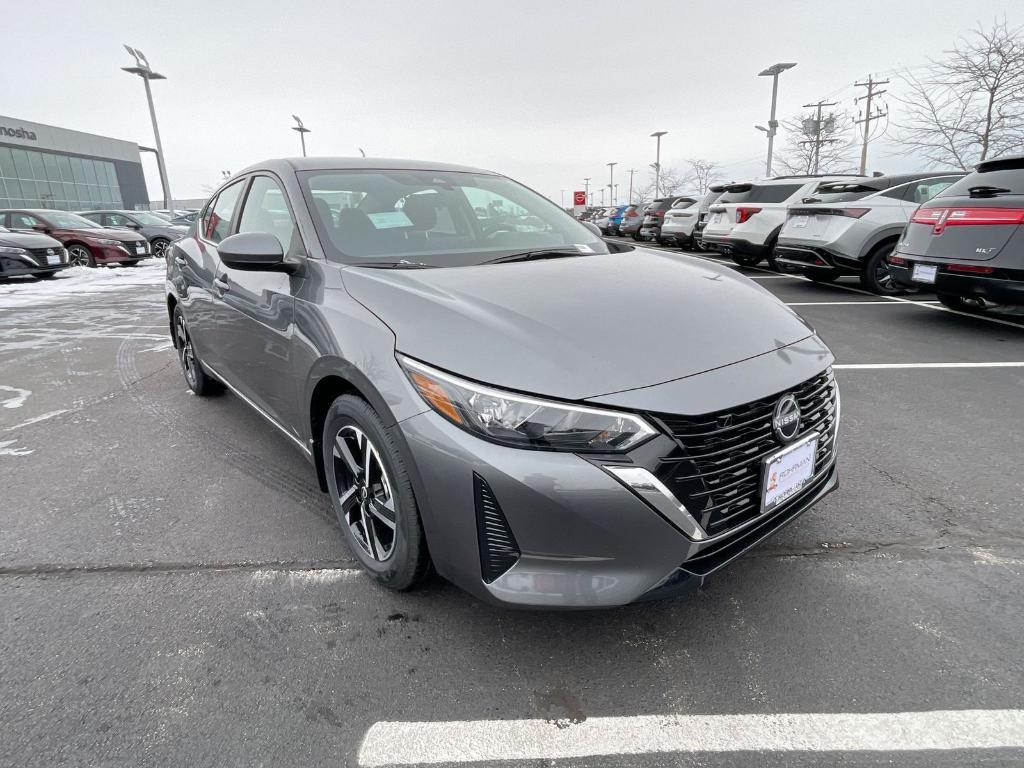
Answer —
786 419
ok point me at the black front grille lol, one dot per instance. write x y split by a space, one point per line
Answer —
498 548
39 254
716 468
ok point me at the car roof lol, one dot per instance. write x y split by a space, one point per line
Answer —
1006 162
285 164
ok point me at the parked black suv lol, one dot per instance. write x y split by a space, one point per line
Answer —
655 215
968 241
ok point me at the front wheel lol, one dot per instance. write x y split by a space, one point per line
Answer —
372 495
875 275
971 304
130 263
159 246
80 256
197 379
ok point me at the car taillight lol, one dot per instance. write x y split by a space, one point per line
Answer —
940 218
744 214
971 268
853 213
898 260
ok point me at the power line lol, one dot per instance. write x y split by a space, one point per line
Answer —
871 85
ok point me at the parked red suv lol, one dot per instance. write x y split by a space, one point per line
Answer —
87 243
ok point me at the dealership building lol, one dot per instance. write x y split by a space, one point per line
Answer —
42 166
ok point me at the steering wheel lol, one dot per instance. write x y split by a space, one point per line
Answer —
500 228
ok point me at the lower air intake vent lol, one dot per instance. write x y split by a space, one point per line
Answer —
498 548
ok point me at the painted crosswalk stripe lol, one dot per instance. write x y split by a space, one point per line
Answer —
424 743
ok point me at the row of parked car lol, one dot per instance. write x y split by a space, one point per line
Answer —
41 242
959 233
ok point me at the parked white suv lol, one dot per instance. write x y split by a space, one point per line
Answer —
745 221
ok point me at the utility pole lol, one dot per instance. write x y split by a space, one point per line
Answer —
773 125
632 172
818 141
871 84
586 191
657 163
611 181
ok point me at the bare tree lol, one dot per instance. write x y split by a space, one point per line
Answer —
829 144
969 105
702 173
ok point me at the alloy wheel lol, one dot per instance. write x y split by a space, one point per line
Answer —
364 490
186 353
79 256
883 278
159 247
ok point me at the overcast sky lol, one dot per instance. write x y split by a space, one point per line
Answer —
546 92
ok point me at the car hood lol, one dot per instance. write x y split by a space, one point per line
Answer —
28 240
110 233
578 327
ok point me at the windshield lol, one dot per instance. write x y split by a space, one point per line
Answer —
64 220
435 218
149 219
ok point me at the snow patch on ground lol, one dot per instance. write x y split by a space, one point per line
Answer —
8 448
16 400
80 281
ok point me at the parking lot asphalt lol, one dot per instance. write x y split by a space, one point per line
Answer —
175 591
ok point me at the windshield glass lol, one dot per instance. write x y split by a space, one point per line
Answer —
149 219
65 220
435 218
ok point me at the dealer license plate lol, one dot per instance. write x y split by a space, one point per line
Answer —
52 258
716 218
788 471
924 273
799 221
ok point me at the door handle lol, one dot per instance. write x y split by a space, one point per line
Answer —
221 284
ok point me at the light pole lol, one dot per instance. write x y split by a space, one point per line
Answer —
143 70
615 197
303 130
563 199
657 163
773 125
611 181
586 190
632 172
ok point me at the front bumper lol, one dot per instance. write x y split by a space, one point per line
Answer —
1003 286
12 265
115 254
583 538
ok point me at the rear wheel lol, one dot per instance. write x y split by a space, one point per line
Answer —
372 495
197 379
80 256
963 303
874 275
745 259
822 275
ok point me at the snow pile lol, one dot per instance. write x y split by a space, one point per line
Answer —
80 281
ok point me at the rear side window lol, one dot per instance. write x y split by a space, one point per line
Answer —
772 193
217 219
1010 178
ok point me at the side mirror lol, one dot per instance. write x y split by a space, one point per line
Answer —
254 251
40 228
592 227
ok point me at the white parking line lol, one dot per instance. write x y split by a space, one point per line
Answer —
878 366
396 743
877 302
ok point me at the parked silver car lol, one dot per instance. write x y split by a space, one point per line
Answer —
156 229
853 225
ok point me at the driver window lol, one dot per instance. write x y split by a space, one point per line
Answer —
265 210
116 220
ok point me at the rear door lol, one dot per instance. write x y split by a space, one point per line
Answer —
955 225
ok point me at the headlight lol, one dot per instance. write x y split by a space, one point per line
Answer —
108 242
525 422
13 251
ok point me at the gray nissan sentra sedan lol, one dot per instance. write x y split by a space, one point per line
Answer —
487 388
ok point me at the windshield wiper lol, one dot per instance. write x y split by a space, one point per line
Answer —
401 264
986 191
548 253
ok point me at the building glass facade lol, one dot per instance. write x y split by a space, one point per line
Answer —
39 179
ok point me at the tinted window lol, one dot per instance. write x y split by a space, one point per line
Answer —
1010 178
739 193
267 211
772 193
217 220
21 221
924 190
116 220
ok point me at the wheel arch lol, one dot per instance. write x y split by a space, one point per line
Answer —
884 237
172 304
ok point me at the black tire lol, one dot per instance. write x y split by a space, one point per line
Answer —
80 256
822 275
46 275
407 563
159 247
198 380
636 236
745 259
131 263
972 304
874 275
